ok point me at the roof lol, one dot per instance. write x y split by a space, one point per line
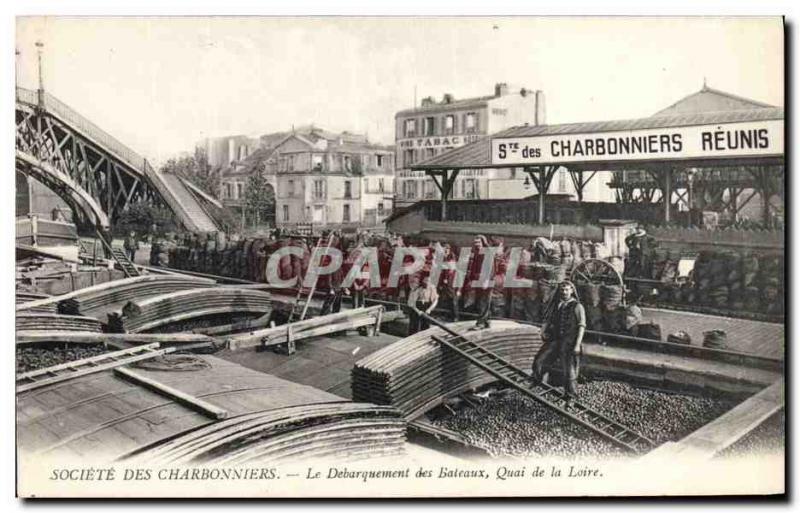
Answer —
466 103
478 154
708 99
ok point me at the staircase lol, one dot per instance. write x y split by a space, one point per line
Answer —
550 397
184 201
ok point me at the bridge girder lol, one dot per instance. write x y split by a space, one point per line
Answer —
96 184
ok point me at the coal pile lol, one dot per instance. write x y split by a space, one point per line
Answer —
768 438
508 424
204 322
33 358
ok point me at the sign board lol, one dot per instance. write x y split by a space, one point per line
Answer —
748 139
439 141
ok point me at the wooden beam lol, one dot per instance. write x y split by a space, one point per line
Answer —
190 401
78 337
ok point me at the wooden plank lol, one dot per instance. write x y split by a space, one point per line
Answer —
190 401
72 337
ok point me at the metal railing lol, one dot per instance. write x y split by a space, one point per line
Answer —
89 129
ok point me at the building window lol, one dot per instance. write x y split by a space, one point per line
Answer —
380 209
471 122
319 189
379 160
228 190
408 157
449 124
411 127
562 181
348 163
429 189
290 188
318 212
316 162
380 185
429 126
286 213
348 189
239 190
469 189
346 214
410 189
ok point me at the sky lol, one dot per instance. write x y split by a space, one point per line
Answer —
160 84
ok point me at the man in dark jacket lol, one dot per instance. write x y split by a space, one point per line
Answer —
562 333
131 245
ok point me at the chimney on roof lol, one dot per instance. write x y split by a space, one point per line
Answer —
448 98
427 101
500 89
541 112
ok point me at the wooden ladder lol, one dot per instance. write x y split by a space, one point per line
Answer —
57 373
550 397
122 259
302 300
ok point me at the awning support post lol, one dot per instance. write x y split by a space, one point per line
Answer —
667 193
445 187
542 192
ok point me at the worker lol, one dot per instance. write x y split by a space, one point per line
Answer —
131 245
562 333
422 298
447 282
637 247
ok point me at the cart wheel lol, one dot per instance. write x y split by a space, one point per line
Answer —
598 272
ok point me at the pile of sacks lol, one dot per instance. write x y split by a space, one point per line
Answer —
566 252
606 312
739 281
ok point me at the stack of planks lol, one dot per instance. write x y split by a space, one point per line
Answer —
45 307
90 299
145 314
54 322
416 374
343 431
129 289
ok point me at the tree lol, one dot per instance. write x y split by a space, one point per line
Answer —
259 197
140 217
197 170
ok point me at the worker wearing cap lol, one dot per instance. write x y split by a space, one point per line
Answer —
422 298
637 247
562 333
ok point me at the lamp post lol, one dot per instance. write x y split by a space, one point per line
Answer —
16 67
39 46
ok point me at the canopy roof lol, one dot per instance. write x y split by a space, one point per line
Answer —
478 154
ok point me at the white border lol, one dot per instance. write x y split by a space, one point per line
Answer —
321 7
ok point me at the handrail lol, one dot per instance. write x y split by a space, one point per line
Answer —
134 160
76 120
